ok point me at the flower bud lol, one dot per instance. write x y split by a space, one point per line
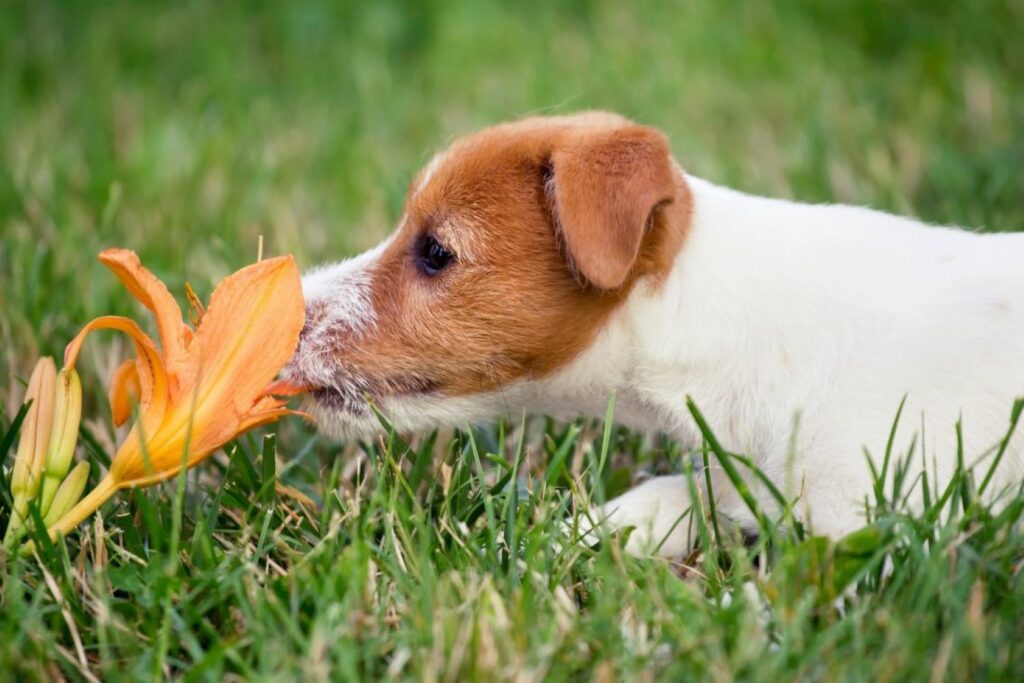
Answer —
33 443
63 437
68 493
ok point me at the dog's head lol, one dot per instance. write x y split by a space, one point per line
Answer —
515 247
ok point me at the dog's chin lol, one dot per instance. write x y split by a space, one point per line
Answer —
345 413
342 418
406 413
345 419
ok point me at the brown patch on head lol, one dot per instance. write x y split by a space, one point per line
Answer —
551 222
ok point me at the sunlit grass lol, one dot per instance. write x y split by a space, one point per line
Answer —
448 559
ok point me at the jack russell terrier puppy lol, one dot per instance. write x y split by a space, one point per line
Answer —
543 264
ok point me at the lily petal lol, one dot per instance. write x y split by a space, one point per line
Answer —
283 387
153 384
268 410
153 294
124 392
249 331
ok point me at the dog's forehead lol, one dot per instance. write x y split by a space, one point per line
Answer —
462 190
491 153
470 160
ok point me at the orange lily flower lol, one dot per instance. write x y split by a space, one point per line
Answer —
200 388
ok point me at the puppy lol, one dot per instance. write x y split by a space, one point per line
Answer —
544 264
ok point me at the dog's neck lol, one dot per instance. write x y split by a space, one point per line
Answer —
734 322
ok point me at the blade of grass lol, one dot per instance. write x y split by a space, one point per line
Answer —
731 472
1015 413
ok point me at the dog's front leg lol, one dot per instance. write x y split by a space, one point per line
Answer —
660 512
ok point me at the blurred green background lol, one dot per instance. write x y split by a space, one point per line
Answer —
185 130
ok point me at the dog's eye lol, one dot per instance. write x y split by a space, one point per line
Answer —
432 257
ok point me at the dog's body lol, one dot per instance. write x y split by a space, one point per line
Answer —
576 259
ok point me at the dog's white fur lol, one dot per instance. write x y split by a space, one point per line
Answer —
775 310
832 313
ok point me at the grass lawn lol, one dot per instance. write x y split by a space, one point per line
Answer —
185 130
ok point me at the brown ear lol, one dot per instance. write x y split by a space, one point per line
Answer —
606 181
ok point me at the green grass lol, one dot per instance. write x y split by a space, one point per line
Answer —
186 130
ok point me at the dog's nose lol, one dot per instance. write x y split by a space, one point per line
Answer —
293 374
314 315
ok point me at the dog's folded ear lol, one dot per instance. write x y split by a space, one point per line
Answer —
605 182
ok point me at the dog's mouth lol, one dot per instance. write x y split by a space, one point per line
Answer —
341 397
341 401
338 387
356 397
